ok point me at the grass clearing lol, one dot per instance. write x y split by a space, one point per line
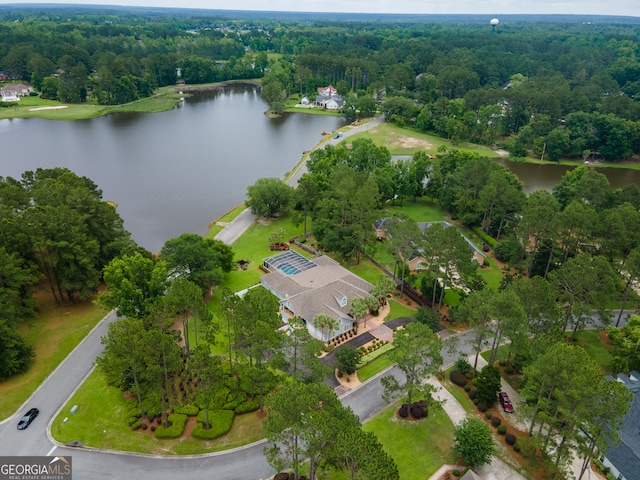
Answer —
403 141
54 334
374 367
418 448
596 350
108 428
399 310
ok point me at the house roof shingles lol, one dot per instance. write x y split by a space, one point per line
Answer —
626 456
318 290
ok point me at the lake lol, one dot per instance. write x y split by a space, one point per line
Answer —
177 171
170 172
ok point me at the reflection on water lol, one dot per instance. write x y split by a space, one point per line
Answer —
169 172
546 176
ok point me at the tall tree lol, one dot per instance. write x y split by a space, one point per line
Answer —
586 285
200 260
268 197
474 442
134 284
418 354
208 369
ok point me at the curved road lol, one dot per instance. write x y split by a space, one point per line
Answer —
243 463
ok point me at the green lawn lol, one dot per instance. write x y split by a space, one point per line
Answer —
402 141
374 367
54 334
596 350
420 210
399 310
418 448
100 422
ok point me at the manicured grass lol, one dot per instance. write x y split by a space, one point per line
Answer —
418 448
100 422
402 141
399 310
374 367
54 334
596 350
492 275
365 269
420 210
459 394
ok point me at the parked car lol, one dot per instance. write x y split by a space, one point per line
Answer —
505 401
28 417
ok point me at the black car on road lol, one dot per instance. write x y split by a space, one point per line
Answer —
28 417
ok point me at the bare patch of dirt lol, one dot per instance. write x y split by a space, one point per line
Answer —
411 142
604 338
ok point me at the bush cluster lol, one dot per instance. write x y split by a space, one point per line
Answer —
417 410
247 407
189 410
177 421
220 422
458 378
288 476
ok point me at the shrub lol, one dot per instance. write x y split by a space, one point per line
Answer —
495 421
136 425
177 421
510 438
234 399
462 365
404 411
189 410
508 369
516 447
220 422
456 473
347 357
472 393
132 420
467 388
474 382
144 426
458 378
482 407
502 429
488 415
502 363
468 375
247 407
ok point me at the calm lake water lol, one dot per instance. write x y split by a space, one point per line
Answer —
546 176
177 171
170 172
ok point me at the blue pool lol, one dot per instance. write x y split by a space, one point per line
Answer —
288 268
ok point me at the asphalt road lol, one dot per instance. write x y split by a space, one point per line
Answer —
246 463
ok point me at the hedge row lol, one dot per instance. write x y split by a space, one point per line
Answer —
220 422
189 410
177 421
247 407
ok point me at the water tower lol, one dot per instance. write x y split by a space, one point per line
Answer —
494 22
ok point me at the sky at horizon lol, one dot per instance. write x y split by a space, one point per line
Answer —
488 7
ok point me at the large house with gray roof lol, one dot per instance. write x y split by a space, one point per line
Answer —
308 287
624 460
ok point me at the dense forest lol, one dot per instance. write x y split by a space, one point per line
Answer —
563 89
